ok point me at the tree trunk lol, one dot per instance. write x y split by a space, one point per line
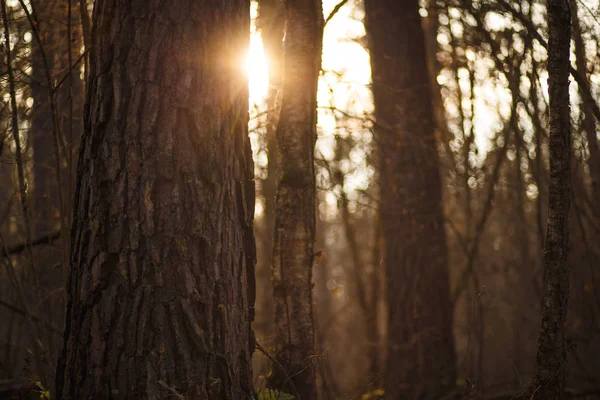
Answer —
549 381
271 22
68 39
161 291
45 197
589 121
295 203
421 361
48 213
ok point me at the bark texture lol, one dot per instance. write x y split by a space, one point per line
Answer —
295 203
551 355
161 290
421 361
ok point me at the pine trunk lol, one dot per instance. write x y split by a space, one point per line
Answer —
161 290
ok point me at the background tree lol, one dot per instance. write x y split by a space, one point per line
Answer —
161 289
295 202
271 24
551 356
421 361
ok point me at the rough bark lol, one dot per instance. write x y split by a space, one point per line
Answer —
161 291
421 362
551 358
295 203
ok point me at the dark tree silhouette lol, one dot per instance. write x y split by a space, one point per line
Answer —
421 362
549 381
271 23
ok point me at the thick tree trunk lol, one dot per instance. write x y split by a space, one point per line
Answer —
295 203
161 291
421 361
551 356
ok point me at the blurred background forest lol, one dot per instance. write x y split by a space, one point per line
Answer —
487 63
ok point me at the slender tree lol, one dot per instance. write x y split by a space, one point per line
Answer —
549 381
40 346
589 120
161 290
271 23
45 198
295 203
421 362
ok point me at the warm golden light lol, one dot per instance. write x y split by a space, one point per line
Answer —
343 91
256 64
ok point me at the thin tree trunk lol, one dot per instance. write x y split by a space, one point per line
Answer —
421 362
373 315
589 121
329 388
295 204
359 278
41 357
68 40
84 18
45 197
271 22
48 194
549 381
522 268
161 291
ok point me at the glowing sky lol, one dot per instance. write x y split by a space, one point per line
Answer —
343 90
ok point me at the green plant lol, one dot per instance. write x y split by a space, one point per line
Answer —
271 394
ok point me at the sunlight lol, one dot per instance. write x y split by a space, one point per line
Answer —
256 63
344 95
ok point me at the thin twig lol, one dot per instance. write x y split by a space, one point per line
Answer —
335 11
23 313
56 133
274 361
46 239
75 64
40 354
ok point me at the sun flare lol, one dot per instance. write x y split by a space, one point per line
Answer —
256 64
